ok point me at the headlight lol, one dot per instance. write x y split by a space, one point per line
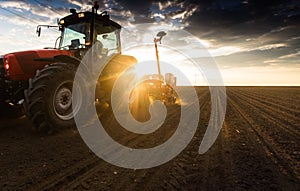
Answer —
6 65
80 15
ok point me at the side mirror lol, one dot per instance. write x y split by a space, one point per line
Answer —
38 31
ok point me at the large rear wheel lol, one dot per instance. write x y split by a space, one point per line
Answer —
48 100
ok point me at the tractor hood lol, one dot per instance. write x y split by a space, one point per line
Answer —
23 65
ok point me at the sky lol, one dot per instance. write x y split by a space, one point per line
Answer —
253 42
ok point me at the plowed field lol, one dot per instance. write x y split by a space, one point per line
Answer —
257 149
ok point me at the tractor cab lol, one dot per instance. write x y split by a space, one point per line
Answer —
79 31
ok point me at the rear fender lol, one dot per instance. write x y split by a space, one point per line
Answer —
71 60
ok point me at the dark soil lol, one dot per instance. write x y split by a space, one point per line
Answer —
257 149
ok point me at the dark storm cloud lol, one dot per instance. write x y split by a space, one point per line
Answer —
232 17
262 14
243 18
226 21
137 6
250 25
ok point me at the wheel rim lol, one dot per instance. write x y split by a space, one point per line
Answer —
63 103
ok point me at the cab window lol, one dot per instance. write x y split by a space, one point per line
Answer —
109 41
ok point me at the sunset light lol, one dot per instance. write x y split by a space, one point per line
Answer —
245 57
150 95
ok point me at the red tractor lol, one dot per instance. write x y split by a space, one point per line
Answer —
43 79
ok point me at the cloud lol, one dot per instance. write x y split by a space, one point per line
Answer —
173 12
224 51
137 7
81 5
17 5
237 33
27 14
271 46
292 59
293 55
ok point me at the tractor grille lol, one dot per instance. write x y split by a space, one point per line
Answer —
1 65
2 70
2 80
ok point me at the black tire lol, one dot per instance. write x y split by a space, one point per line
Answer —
47 99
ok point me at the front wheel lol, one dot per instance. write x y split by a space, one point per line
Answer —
48 100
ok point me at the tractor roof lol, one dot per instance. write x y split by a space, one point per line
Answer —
82 17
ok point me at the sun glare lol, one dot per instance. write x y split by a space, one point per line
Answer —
170 62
